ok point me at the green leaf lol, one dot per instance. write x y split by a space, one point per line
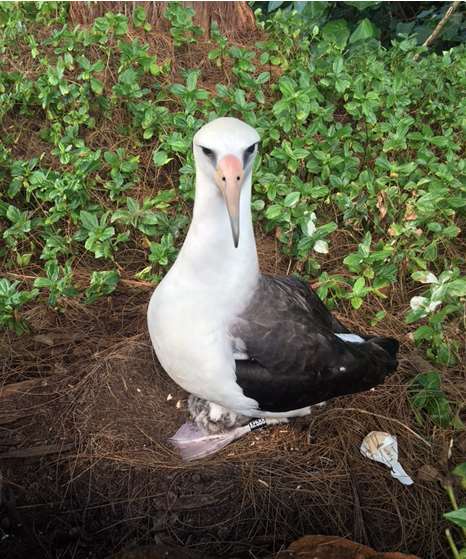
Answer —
460 470
287 86
353 261
429 381
13 214
97 86
139 16
359 286
102 283
178 89
132 204
191 80
336 32
424 277
423 333
88 220
428 396
451 231
119 215
457 288
273 211
160 158
262 78
150 219
458 517
292 199
43 282
258 205
365 30
338 65
342 85
431 252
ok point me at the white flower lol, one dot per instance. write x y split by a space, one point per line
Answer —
321 246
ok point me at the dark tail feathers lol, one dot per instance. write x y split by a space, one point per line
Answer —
390 345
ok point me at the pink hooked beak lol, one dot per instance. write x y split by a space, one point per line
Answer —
229 178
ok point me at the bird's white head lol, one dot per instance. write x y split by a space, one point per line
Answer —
224 151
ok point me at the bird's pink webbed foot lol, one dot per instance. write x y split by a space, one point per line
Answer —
213 428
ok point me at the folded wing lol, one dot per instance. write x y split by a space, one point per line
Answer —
295 357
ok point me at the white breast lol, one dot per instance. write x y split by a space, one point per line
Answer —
209 285
189 329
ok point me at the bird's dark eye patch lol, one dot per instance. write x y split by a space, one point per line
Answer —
247 153
207 152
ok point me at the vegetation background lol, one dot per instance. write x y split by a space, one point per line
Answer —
359 188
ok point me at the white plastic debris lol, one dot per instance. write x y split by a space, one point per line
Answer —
383 447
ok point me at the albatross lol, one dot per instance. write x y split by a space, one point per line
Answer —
242 343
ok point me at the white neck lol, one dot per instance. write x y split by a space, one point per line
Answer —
208 251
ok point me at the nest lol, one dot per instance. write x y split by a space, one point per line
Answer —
86 413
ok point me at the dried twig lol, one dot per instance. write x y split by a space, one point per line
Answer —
438 29
85 274
380 416
20 387
37 451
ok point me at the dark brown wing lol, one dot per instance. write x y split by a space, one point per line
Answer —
295 359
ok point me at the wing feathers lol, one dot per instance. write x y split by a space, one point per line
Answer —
296 359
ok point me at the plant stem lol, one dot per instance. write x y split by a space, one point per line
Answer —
451 496
454 504
452 544
439 27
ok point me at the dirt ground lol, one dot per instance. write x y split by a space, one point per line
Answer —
86 470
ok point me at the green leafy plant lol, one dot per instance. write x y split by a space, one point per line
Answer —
19 228
367 20
11 301
139 217
100 238
182 28
121 169
140 18
445 297
163 253
427 397
58 282
101 284
457 516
